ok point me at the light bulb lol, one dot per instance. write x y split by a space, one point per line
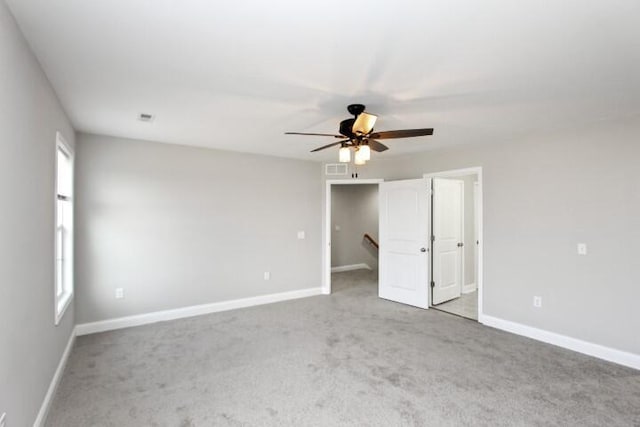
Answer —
344 155
359 159
365 152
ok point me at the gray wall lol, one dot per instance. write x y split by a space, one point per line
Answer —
30 115
177 226
542 196
354 208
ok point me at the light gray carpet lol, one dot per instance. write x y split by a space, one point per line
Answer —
466 305
349 359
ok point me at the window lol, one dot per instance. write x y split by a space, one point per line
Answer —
64 227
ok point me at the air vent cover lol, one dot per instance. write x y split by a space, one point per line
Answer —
334 169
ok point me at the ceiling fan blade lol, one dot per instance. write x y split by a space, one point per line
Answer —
329 145
364 123
314 134
376 146
405 133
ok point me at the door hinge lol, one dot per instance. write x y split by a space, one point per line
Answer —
433 284
433 238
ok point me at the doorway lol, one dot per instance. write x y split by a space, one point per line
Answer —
455 242
405 251
351 232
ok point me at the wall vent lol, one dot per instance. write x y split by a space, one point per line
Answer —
335 169
145 117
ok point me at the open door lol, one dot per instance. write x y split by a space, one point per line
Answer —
448 199
404 231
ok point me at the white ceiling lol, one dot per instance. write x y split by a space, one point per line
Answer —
237 74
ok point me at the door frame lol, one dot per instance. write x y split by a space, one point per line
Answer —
326 252
476 227
457 173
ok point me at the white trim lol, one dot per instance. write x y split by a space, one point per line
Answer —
354 181
351 267
326 244
596 350
476 226
48 398
468 288
463 238
454 173
60 303
477 170
190 311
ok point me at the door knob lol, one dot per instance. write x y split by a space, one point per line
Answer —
423 250
460 244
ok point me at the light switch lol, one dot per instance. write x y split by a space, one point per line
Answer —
582 248
119 293
301 235
337 228
267 275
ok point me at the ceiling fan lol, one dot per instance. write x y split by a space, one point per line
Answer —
358 134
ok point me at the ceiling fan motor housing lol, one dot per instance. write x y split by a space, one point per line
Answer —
355 109
346 128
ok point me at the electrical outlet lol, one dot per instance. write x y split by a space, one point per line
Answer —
301 235
537 302
582 248
267 275
3 418
337 228
119 293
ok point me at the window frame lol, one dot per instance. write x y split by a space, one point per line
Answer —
63 299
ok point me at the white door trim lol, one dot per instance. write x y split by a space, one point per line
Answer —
326 240
476 236
477 170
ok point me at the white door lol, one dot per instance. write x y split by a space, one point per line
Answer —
448 199
404 231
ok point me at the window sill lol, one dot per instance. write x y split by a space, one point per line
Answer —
62 303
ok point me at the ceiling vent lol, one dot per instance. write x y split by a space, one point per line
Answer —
145 117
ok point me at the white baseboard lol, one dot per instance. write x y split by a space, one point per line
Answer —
596 350
468 288
350 267
46 403
194 310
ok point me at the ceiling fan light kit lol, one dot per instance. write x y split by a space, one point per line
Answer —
359 159
364 124
360 136
365 152
344 155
